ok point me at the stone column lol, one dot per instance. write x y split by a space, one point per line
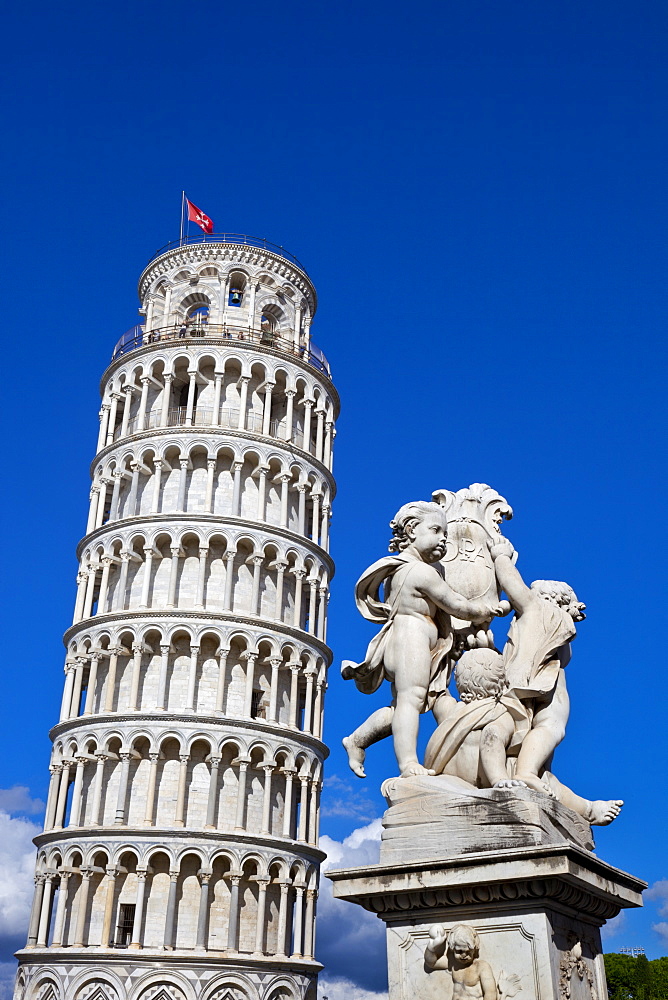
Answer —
52 797
266 414
268 769
312 598
137 650
312 831
212 801
98 784
101 503
236 489
150 791
191 695
89 705
82 907
111 423
257 561
190 402
229 579
36 910
117 476
112 874
125 420
327 451
161 698
179 818
298 922
284 480
217 390
66 704
297 615
289 414
250 681
322 609
82 580
62 795
92 508
173 575
317 709
75 811
165 400
203 914
123 581
295 667
262 884
289 773
210 477
275 662
320 414
90 591
136 941
306 437
158 469
315 519
104 426
110 687
183 482
220 690
233 925
201 576
59 922
240 818
309 923
280 577
131 510
262 492
309 673
146 582
45 911
168 941
303 807
243 400
104 586
282 931
301 512
125 757
78 685
141 416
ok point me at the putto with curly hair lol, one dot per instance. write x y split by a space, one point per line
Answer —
480 673
407 516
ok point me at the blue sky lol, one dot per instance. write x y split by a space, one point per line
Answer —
478 191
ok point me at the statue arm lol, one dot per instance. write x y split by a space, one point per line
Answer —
487 981
438 591
510 581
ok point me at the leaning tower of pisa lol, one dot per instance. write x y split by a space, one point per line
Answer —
179 857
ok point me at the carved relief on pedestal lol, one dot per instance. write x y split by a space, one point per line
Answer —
456 951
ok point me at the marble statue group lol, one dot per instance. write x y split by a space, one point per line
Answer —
435 596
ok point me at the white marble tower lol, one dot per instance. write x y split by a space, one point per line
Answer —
179 858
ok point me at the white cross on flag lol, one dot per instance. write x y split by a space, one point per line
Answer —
196 214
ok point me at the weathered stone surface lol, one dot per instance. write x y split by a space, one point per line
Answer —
435 817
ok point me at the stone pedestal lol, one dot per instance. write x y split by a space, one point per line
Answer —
537 908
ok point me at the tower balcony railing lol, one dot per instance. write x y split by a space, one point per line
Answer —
238 239
137 337
202 416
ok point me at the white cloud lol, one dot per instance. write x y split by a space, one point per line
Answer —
611 928
350 940
662 930
19 800
17 866
338 989
341 798
659 893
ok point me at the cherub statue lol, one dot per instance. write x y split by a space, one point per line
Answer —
472 742
457 952
409 650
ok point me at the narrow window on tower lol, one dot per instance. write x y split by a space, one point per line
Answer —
126 919
257 709
235 296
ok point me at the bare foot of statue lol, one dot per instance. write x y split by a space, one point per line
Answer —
356 756
538 785
510 783
602 811
414 768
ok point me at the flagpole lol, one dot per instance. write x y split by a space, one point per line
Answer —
183 201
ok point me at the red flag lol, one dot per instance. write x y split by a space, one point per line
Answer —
195 214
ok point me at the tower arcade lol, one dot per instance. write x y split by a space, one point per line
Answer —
179 857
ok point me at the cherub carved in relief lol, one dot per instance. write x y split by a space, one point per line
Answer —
457 951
